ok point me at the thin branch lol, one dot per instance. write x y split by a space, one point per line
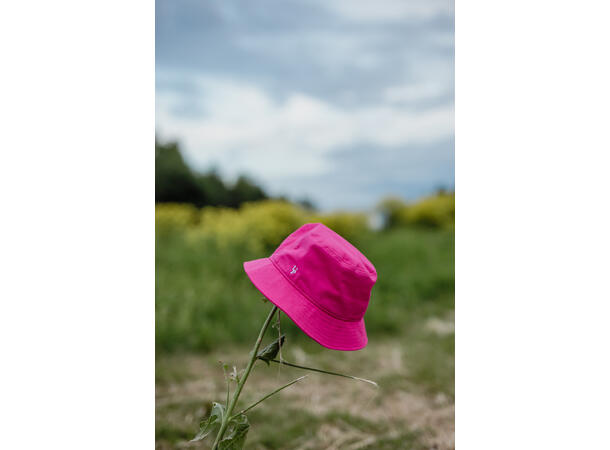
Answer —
279 331
228 391
243 411
227 380
325 371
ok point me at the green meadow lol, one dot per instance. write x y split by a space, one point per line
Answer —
208 311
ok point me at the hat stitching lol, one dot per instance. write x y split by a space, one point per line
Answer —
309 298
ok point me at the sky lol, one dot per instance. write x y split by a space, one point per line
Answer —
341 102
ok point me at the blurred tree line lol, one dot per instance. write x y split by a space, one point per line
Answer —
175 182
434 211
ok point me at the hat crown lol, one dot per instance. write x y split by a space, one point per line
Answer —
328 270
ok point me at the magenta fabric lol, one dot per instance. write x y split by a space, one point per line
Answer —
322 282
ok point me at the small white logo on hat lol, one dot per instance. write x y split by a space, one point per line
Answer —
294 270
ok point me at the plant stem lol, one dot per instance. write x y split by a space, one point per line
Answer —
242 381
324 371
228 390
243 411
224 370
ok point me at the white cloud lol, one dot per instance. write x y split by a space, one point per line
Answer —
410 93
244 129
366 11
332 50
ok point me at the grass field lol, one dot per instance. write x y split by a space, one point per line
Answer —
207 310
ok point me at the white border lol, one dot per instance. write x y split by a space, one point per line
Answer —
532 272
77 227
76 235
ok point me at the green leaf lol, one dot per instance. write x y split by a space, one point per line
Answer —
208 425
270 352
235 437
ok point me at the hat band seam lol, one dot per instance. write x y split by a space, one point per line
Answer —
309 298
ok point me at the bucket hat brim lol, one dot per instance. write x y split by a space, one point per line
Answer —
322 327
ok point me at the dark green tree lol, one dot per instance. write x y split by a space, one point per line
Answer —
215 189
245 190
174 181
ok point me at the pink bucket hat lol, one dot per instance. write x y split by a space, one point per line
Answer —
322 282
